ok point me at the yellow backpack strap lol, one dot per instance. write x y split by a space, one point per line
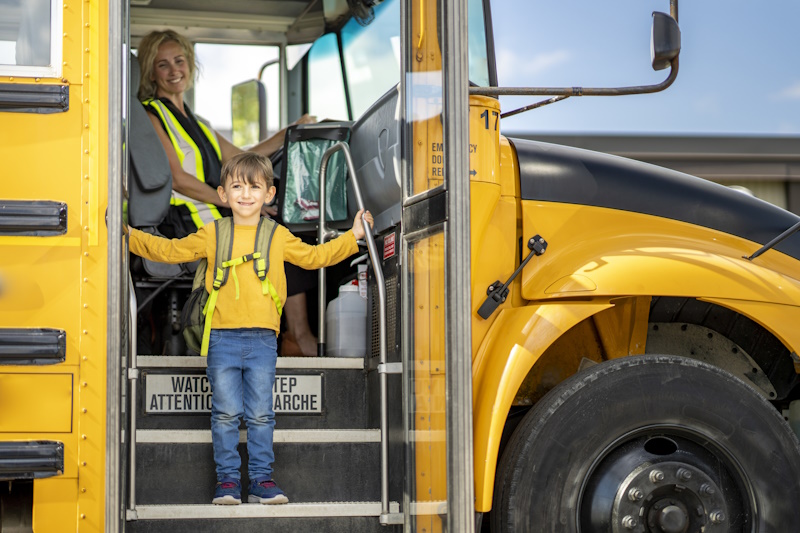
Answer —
268 287
208 312
224 248
264 233
233 263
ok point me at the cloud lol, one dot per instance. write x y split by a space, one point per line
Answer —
516 69
790 93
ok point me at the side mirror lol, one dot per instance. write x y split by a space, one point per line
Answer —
665 40
249 113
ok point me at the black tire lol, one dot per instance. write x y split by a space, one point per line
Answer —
650 444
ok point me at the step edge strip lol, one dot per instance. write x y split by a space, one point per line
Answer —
289 510
283 436
313 363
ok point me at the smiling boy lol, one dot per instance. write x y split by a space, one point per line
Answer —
242 349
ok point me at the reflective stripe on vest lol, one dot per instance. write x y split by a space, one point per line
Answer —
191 161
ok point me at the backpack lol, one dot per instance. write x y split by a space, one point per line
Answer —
199 308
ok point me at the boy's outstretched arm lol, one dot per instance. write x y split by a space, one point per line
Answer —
322 255
358 226
165 250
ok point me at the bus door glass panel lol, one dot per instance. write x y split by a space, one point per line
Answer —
427 457
30 38
478 50
424 268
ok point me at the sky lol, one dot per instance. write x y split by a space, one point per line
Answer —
739 68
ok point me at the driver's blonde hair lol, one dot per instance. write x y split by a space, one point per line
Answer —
148 50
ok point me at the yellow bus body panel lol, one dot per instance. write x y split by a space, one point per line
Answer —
620 253
61 281
36 403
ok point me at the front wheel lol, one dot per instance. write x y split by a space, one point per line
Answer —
658 444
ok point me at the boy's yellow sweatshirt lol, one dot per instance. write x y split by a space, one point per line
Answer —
253 309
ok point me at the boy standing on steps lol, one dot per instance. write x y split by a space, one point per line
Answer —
242 349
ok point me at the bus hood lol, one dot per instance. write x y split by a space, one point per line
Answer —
554 173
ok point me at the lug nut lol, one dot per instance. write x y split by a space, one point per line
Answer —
717 517
707 490
635 494
656 476
684 474
629 522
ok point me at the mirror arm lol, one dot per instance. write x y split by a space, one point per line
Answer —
264 66
673 9
579 91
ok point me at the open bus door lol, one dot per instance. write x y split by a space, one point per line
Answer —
435 252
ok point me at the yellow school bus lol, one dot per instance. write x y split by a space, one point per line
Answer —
551 339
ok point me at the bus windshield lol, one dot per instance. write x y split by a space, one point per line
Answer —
372 53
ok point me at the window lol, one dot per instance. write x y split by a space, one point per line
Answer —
372 56
30 38
221 66
325 85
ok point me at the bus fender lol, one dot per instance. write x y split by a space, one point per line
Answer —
512 346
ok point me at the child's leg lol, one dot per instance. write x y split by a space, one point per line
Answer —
259 377
225 356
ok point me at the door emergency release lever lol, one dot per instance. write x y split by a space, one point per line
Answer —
497 292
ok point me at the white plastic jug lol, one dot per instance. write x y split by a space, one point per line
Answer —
346 323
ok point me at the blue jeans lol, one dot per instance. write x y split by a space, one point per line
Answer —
241 371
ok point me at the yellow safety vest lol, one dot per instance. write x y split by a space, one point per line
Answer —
191 161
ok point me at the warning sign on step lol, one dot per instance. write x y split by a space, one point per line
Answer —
191 393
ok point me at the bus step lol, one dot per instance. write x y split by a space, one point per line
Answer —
314 363
330 517
177 467
280 436
251 510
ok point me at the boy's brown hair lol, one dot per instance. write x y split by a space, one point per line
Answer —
249 167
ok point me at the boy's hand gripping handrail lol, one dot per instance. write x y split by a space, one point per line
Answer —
323 233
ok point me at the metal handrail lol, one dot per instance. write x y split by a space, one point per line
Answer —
323 233
133 376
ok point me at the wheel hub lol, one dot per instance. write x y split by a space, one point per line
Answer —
673 519
669 497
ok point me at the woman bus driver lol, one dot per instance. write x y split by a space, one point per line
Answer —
196 153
